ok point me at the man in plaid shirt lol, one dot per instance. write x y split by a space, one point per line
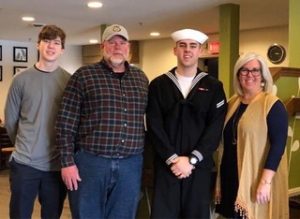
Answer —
100 132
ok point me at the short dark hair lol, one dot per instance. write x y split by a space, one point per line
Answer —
51 32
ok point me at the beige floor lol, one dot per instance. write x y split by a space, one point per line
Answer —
142 212
5 196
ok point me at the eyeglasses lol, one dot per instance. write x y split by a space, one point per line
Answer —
254 72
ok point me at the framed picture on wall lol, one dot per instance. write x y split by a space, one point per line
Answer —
18 69
0 53
20 54
0 73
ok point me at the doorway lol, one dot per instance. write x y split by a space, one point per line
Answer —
209 65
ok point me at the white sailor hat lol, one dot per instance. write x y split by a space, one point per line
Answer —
113 30
189 34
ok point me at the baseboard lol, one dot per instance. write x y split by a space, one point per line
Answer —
294 191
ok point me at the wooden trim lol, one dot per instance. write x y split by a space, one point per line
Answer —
293 106
294 191
278 72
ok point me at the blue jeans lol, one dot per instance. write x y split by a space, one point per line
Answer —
109 188
26 183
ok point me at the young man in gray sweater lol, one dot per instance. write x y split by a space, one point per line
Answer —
30 113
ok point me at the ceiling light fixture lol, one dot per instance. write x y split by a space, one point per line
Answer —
154 34
28 18
93 41
94 4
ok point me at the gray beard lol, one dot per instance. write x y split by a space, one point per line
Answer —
116 62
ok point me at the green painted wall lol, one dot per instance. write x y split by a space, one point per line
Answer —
286 88
229 38
294 33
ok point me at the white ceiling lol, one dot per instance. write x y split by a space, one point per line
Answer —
140 17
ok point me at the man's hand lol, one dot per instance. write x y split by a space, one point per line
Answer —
70 176
181 167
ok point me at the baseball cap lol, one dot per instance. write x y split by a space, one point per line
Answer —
189 34
113 30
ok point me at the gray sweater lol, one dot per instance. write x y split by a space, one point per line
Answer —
30 112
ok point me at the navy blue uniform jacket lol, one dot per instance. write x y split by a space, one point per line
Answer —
179 126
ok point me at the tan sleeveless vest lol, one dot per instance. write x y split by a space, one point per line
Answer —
252 149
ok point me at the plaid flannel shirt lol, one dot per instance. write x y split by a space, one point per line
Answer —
102 114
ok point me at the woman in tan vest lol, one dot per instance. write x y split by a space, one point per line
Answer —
252 180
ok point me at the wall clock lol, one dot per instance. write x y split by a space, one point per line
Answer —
276 53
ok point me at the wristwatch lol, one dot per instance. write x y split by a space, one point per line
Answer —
193 160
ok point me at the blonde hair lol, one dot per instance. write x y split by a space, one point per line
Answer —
265 72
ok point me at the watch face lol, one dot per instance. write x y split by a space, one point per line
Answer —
276 53
193 160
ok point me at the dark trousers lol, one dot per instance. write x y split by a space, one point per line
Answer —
181 198
27 183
